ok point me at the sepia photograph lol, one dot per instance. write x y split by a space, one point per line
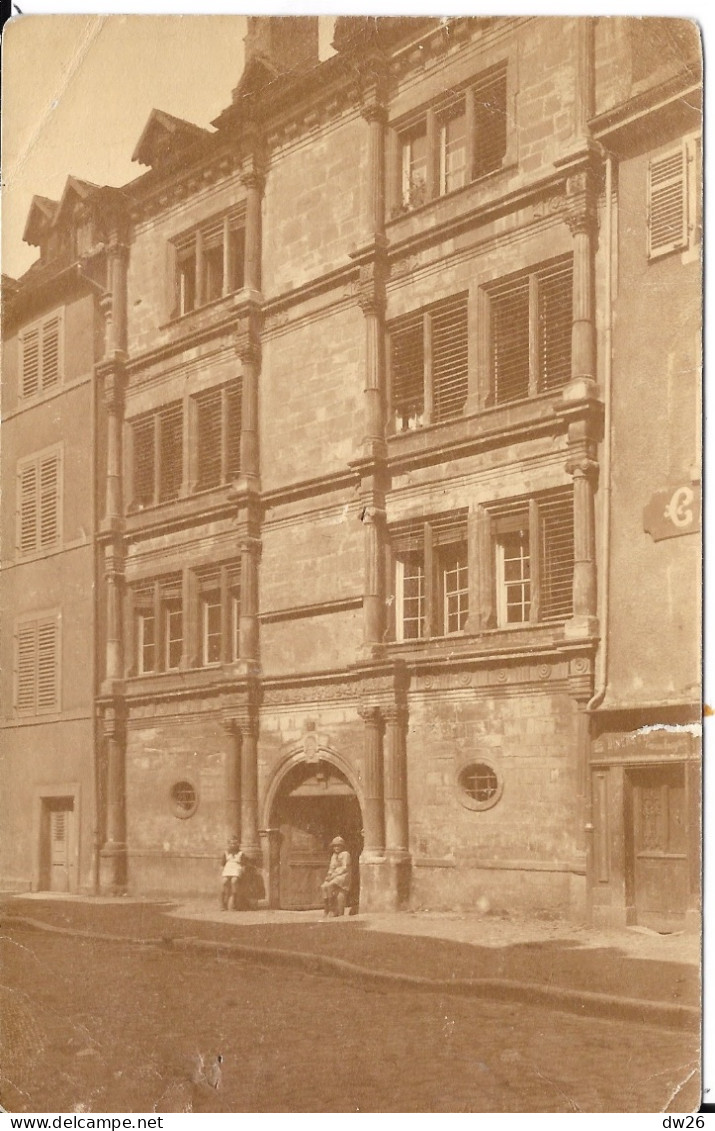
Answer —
351 565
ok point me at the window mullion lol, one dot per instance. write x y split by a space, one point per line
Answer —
159 641
470 126
535 561
199 284
428 381
430 620
224 434
432 181
225 652
533 334
157 457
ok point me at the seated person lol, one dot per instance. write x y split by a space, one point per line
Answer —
336 885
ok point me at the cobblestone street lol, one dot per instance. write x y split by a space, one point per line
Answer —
100 1026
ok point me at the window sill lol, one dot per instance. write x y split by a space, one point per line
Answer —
449 205
157 683
491 423
208 313
199 504
491 639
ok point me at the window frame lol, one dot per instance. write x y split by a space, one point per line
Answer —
533 283
432 120
154 423
529 515
689 151
37 622
194 255
154 601
225 581
35 502
44 385
430 543
436 356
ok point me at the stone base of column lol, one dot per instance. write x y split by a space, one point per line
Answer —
113 869
384 882
579 626
366 653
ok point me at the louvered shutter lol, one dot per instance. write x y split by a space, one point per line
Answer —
209 412
30 362
489 145
143 461
510 341
667 203
407 372
555 290
49 500
171 451
47 666
51 352
557 556
26 666
233 429
28 508
449 359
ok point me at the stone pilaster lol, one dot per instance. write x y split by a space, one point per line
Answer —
113 854
374 815
248 620
233 779
396 810
248 725
248 349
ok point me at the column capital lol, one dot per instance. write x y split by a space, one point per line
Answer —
247 340
371 295
395 713
582 466
254 178
580 205
370 714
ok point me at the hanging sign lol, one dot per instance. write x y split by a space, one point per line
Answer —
673 511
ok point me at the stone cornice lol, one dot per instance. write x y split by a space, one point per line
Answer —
317 609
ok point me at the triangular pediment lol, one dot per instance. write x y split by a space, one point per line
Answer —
39 218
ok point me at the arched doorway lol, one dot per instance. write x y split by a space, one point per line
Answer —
314 803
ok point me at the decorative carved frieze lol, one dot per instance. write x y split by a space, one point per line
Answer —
342 690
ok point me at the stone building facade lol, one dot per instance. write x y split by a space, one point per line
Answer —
370 464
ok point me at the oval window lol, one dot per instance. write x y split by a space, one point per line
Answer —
184 798
479 786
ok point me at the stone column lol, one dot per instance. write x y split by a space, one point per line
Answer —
233 779
254 185
585 475
248 348
371 298
248 622
249 786
396 834
113 855
374 816
373 519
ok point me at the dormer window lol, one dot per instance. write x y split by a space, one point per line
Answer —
209 262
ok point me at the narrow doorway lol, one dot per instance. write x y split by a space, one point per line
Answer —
56 843
658 871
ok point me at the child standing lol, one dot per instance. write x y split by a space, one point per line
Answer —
231 875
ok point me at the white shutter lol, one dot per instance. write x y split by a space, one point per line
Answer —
49 500
51 352
667 202
47 665
28 508
26 666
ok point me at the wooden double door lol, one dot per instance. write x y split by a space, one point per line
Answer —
315 806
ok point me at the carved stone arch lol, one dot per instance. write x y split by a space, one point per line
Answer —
295 757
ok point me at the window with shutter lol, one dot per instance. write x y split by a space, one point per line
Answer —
531 325
208 415
429 356
557 557
459 142
233 429
41 356
158 456
37 659
534 560
667 202
449 342
39 494
407 374
171 452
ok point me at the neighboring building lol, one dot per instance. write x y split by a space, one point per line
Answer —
392 361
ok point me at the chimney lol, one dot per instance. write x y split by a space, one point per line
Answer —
285 43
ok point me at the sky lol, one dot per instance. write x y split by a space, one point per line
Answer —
78 90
